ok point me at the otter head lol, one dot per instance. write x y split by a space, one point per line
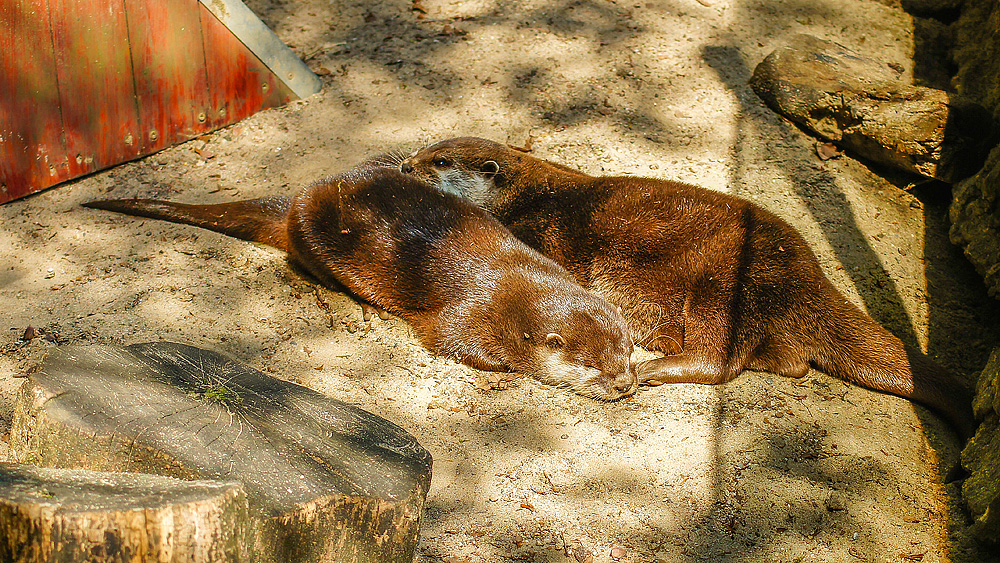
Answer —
465 166
582 343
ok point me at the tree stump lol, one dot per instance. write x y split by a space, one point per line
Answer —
325 481
74 515
861 105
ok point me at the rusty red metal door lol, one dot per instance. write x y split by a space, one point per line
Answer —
87 84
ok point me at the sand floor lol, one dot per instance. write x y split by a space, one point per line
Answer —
761 469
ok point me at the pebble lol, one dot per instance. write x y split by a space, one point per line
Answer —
836 501
617 552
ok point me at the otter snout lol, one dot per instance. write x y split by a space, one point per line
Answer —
406 167
620 384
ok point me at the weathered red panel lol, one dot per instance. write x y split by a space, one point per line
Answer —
87 84
100 121
170 83
32 155
238 83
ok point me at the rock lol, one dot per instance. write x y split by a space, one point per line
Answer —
826 151
975 214
932 44
861 105
583 555
981 456
975 221
836 501
987 399
977 54
930 7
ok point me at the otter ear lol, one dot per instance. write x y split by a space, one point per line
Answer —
553 340
490 168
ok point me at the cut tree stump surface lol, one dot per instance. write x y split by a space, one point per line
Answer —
98 491
324 480
76 515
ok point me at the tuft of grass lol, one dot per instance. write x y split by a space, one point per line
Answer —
218 394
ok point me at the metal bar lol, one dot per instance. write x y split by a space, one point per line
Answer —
263 43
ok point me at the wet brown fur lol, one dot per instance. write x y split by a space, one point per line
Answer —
470 289
714 282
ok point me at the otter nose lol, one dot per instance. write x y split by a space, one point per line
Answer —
624 385
406 168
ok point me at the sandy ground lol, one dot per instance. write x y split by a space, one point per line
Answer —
761 469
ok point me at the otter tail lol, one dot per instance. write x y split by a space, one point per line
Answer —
261 220
859 350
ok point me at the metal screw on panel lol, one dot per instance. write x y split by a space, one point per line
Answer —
153 135
201 117
222 112
265 87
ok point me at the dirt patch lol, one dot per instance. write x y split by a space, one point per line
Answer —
761 469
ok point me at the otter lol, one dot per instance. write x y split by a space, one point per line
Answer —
467 286
715 283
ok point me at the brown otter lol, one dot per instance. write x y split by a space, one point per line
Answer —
469 288
714 282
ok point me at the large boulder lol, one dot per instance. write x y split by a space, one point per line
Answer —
860 104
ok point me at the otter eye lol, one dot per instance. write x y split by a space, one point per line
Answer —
441 162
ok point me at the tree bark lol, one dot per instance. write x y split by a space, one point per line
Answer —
57 515
325 481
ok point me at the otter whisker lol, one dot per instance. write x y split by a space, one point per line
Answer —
657 324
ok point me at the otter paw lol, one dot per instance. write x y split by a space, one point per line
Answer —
367 310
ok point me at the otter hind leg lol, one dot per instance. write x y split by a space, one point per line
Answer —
683 368
786 361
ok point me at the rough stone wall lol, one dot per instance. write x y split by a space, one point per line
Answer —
981 457
975 213
975 218
977 45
